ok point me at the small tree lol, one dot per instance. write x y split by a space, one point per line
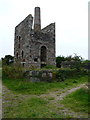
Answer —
59 59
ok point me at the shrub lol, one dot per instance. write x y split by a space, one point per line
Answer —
12 72
65 73
7 60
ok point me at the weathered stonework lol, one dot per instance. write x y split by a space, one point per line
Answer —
34 47
38 76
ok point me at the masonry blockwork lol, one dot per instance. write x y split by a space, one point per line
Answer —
34 47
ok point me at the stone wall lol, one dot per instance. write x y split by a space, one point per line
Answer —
39 76
29 42
22 39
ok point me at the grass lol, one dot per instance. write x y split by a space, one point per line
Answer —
51 98
27 106
77 101
25 87
33 108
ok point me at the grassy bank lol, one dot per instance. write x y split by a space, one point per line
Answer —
77 101
26 87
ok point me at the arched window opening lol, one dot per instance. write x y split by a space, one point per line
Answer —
43 54
22 54
19 38
17 55
35 59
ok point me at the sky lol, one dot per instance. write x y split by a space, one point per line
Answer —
70 16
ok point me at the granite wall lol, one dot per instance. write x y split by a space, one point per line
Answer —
34 48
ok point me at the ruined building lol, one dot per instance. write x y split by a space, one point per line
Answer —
34 46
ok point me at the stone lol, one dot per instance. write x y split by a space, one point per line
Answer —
34 47
50 75
44 75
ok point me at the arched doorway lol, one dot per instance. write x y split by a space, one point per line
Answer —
43 56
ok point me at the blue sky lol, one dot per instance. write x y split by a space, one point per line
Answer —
70 16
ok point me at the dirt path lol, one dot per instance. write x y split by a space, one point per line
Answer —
9 96
59 95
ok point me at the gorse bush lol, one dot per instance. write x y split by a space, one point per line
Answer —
12 72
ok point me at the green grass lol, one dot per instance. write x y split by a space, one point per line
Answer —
25 87
77 101
51 98
27 106
32 108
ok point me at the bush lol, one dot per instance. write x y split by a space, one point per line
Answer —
12 72
7 60
65 73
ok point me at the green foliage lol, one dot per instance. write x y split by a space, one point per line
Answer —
86 61
7 60
86 64
33 108
59 59
76 58
77 101
51 98
49 67
63 74
13 72
77 65
26 87
29 106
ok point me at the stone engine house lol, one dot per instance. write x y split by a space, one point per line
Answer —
34 46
